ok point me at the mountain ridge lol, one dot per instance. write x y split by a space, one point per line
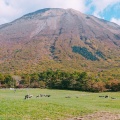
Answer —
59 39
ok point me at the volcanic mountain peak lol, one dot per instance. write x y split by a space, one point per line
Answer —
50 10
61 36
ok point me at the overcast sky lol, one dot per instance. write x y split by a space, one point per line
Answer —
106 9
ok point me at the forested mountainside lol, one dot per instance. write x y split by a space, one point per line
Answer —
63 39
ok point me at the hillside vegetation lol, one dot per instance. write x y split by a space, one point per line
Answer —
61 80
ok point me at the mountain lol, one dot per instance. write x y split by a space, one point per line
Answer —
59 39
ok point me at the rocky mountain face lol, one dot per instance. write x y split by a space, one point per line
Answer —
59 39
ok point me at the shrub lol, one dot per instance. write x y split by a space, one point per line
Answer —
42 84
96 86
20 86
113 85
35 85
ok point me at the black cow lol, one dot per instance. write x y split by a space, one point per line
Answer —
106 96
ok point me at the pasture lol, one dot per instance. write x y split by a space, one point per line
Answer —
61 105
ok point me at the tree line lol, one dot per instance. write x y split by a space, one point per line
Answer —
59 80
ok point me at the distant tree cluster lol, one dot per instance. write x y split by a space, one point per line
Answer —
85 53
100 54
60 80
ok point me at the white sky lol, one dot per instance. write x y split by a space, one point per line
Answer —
13 9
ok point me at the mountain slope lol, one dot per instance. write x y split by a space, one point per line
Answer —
59 39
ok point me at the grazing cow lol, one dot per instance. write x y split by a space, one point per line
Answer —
113 98
106 96
41 95
47 95
67 97
28 96
101 96
37 96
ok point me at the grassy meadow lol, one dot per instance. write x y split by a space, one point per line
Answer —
57 107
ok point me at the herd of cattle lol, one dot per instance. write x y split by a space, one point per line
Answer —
44 95
106 96
40 95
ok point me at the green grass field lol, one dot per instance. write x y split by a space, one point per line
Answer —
57 107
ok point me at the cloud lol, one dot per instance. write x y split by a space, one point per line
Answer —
117 21
3 20
75 4
101 5
12 9
8 12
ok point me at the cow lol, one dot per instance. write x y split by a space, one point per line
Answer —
67 97
42 95
47 95
37 96
106 96
113 98
28 96
101 96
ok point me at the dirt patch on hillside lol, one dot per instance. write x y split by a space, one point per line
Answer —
99 116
